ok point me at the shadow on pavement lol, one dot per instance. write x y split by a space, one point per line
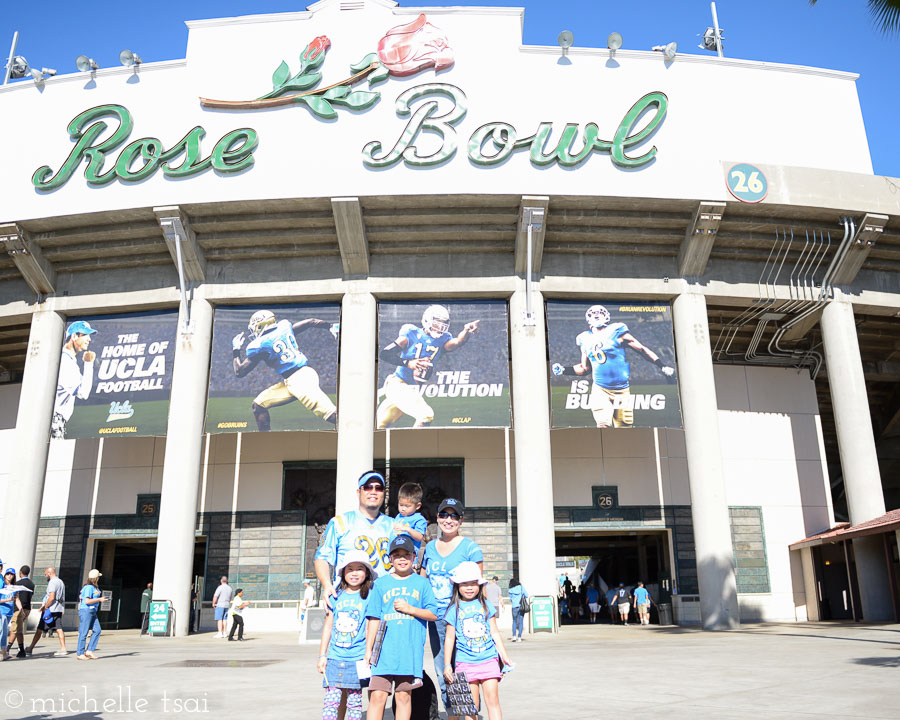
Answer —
891 662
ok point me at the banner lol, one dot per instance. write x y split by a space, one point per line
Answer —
443 364
274 367
612 364
115 376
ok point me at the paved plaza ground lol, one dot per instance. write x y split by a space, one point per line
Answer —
761 672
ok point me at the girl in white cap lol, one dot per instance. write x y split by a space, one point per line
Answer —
472 628
344 638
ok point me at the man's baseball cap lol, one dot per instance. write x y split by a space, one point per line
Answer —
452 504
94 574
353 556
366 477
402 542
79 327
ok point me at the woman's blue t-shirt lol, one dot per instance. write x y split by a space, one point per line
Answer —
439 568
516 592
89 592
348 628
474 643
7 609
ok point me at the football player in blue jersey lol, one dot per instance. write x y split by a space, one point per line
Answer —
274 343
415 352
603 353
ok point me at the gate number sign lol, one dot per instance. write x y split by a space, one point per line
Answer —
747 183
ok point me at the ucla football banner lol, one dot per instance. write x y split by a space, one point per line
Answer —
612 364
115 376
443 363
274 367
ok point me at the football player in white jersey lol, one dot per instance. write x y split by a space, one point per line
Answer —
415 352
275 344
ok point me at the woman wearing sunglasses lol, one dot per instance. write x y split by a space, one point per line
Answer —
441 558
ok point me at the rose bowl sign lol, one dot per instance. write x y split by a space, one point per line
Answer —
436 108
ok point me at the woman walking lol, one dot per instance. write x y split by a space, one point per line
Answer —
88 607
516 595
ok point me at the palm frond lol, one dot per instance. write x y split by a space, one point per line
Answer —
886 14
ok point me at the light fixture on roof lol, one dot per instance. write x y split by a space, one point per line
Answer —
614 42
713 37
129 58
42 74
85 64
668 51
18 68
565 40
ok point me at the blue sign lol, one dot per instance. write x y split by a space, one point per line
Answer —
747 183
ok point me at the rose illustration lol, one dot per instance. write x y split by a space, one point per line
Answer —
407 49
315 48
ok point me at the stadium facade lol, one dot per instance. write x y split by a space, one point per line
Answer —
723 213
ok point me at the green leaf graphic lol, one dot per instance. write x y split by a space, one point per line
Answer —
379 75
336 92
281 74
320 106
365 62
304 82
359 100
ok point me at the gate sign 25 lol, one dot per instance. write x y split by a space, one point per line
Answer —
747 183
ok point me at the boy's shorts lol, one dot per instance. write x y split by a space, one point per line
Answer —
624 608
399 683
221 613
44 626
594 607
643 607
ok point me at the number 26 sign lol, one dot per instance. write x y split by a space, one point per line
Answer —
747 183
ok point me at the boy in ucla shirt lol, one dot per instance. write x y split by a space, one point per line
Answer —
410 521
405 602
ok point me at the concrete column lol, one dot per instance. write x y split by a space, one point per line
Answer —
25 490
534 480
709 508
173 570
356 393
859 460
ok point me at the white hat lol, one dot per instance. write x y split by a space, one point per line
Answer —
94 574
466 572
352 557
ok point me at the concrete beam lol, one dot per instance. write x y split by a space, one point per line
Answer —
537 235
28 258
173 221
351 235
802 328
699 238
868 231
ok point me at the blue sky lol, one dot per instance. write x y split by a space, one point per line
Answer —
834 34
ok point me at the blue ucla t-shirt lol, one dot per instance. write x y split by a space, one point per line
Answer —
416 522
403 648
7 609
439 568
348 628
474 643
89 592
641 596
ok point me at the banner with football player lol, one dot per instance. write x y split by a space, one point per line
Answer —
274 367
612 364
115 376
443 363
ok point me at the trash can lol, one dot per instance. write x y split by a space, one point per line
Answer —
665 613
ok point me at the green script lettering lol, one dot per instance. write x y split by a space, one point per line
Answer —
141 158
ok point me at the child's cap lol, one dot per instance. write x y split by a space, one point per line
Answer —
466 572
452 504
402 542
352 557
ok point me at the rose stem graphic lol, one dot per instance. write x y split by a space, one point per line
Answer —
285 99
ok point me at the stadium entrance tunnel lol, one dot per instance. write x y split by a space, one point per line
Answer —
127 566
602 559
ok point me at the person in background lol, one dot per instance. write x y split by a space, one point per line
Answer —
221 601
642 602
237 614
516 594
493 594
9 606
593 600
88 607
52 609
622 602
146 597
24 598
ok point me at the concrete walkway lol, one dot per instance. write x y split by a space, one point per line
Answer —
760 672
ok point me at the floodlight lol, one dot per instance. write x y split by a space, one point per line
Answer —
40 75
708 41
614 41
668 51
129 58
84 63
18 67
565 39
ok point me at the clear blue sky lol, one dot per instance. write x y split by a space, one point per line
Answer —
834 34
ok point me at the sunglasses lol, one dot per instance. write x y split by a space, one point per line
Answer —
446 515
373 486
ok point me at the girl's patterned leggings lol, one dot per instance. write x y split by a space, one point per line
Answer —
333 702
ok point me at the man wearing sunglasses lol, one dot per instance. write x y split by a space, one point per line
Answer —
366 529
